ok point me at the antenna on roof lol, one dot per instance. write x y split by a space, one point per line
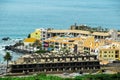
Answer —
75 24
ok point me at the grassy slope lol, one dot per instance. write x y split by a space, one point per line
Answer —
86 77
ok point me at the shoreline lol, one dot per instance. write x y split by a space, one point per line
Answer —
2 49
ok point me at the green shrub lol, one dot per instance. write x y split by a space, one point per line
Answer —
41 51
43 76
99 77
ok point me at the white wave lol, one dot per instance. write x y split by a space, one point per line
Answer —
7 43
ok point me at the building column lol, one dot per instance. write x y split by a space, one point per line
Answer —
45 70
51 70
57 69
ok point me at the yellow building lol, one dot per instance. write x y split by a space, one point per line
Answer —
36 34
97 35
83 44
61 42
28 41
44 34
109 53
89 44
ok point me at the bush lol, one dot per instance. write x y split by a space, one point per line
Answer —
99 77
43 76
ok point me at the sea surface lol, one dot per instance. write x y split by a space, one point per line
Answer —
18 18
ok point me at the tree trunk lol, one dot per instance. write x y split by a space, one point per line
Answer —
7 67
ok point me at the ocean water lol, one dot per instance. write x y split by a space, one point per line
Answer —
20 17
14 55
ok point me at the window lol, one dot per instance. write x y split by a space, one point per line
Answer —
43 32
64 44
43 35
116 56
105 55
117 51
48 34
56 43
58 59
105 51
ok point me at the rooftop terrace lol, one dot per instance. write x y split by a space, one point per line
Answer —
54 58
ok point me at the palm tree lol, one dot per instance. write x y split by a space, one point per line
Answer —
37 44
7 58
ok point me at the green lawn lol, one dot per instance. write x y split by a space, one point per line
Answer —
85 77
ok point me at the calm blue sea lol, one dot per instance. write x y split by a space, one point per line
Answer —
20 17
